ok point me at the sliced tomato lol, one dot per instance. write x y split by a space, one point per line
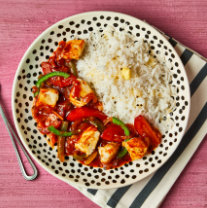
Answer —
144 129
132 130
113 133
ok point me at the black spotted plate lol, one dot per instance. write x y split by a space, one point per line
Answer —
29 69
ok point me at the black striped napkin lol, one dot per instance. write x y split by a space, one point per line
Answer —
151 191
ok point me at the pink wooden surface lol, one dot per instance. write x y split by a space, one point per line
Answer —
21 21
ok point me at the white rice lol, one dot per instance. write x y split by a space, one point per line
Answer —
147 92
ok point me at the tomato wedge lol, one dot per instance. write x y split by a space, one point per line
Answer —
84 112
113 133
144 129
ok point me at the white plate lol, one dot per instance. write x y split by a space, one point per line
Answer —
72 171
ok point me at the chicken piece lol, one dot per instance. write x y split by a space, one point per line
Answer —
47 96
125 72
73 49
136 147
108 152
85 94
88 141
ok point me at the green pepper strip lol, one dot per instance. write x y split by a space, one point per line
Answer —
116 121
122 125
123 151
52 74
55 131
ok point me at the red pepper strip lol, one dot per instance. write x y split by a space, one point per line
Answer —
143 127
113 133
84 112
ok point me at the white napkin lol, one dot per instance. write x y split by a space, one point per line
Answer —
150 192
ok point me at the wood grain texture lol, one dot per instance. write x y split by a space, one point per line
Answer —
21 21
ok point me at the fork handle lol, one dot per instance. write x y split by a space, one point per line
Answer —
13 137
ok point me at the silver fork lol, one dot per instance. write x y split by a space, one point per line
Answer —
14 138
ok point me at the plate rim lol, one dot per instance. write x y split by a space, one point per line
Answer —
68 181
